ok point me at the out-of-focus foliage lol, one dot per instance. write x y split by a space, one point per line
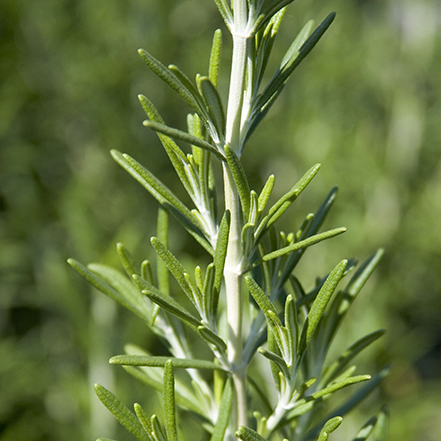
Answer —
367 106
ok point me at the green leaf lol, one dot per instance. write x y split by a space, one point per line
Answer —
214 105
169 402
266 193
115 286
225 11
168 303
381 431
319 305
353 401
366 430
161 267
186 402
165 197
340 385
302 36
259 296
126 259
247 434
312 240
264 49
175 268
210 337
240 179
329 427
221 253
215 55
281 76
344 299
121 413
168 77
160 361
223 417
175 154
277 360
183 136
159 434
144 419
335 368
285 201
291 324
210 295
361 276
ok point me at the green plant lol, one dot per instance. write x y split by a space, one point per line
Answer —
289 326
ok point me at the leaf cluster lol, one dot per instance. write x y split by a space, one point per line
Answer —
291 327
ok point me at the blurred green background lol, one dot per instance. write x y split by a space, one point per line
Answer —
366 104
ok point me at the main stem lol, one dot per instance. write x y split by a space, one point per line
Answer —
233 262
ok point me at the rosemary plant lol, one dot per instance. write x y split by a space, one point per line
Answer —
288 327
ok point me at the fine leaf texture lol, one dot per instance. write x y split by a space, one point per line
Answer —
169 402
247 434
319 305
122 413
329 427
224 413
160 361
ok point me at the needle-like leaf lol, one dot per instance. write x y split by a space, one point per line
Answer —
319 305
160 361
224 413
215 55
169 402
183 136
121 413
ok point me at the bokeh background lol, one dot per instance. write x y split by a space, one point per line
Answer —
366 104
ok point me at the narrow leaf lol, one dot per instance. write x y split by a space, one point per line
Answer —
168 303
247 434
340 385
127 298
214 105
319 305
266 193
121 413
164 196
366 430
144 420
329 427
239 179
312 240
174 266
215 55
342 361
161 267
223 417
183 136
126 259
381 431
160 361
221 252
169 402
210 337
168 77
277 360
281 76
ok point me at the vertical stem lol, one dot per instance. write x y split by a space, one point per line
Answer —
233 280
233 261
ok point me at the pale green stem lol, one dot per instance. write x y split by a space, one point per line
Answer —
233 281
233 262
